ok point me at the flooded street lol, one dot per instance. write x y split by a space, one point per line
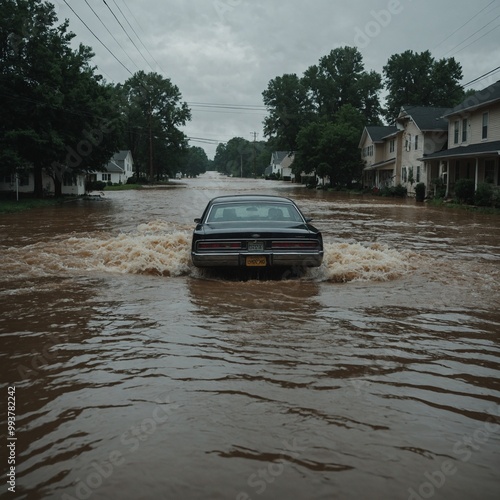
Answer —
138 376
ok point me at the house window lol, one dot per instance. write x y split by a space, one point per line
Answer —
418 172
464 130
404 174
484 134
68 179
489 171
106 177
392 146
416 142
408 142
24 179
456 130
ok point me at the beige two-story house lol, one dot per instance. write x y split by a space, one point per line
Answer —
379 150
423 131
473 141
392 154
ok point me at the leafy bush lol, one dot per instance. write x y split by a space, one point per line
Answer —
420 191
273 176
464 191
484 195
398 191
95 186
141 180
439 187
496 198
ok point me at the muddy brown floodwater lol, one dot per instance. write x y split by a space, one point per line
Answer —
137 376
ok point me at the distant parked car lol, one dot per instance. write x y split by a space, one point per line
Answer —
255 231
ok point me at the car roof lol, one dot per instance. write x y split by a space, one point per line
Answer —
249 197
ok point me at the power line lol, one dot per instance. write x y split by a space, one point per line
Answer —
125 31
249 107
229 112
114 38
206 141
138 38
477 39
494 70
132 14
98 39
465 24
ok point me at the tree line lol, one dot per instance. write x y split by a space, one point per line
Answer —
59 116
322 113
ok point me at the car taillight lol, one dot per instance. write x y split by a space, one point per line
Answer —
295 244
218 245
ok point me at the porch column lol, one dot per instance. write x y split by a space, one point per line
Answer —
476 181
447 179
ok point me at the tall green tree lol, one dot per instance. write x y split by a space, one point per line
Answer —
329 148
154 112
194 162
418 79
289 110
57 115
339 79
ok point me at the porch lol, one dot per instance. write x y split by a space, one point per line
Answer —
479 162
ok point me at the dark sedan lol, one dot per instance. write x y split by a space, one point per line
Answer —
255 231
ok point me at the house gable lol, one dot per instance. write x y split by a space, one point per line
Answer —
425 118
281 162
375 144
119 168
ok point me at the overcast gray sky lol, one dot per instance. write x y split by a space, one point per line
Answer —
223 53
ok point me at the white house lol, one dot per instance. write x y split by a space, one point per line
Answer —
281 164
25 183
119 169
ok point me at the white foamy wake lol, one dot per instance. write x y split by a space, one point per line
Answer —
163 255
159 249
153 248
352 261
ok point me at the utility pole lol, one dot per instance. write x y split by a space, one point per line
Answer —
254 154
151 172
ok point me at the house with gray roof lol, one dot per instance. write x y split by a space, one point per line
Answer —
473 148
119 169
392 154
423 131
281 164
378 146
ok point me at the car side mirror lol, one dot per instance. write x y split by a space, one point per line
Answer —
197 220
309 219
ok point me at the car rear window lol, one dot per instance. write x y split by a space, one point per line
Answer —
251 212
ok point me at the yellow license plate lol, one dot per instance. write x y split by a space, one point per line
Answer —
256 261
